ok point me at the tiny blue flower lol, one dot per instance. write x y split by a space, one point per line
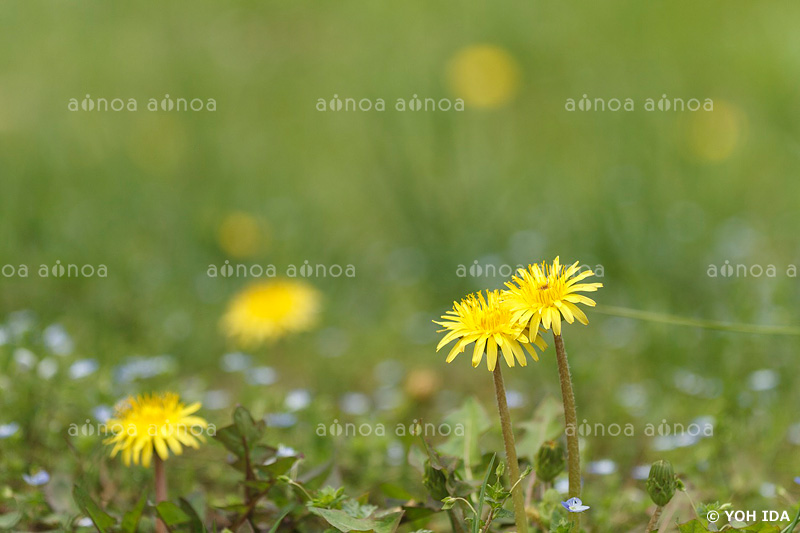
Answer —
280 420
574 505
39 478
83 368
102 413
7 430
797 480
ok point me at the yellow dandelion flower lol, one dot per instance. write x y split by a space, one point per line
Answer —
149 422
487 322
714 136
484 76
544 293
268 311
240 235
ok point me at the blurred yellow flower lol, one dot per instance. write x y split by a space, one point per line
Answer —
713 136
269 310
240 235
422 384
544 293
159 422
488 323
158 144
484 76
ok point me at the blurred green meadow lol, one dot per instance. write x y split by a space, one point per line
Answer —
680 213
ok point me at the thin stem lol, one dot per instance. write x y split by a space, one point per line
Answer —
471 508
529 490
489 520
651 526
161 490
691 502
244 517
511 452
571 418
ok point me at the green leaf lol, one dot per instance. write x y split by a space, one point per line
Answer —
101 520
260 485
171 514
344 522
357 509
473 418
328 497
248 428
482 497
695 526
559 524
195 524
278 467
504 513
9 520
284 513
417 512
447 464
231 438
259 454
130 522
543 426
761 527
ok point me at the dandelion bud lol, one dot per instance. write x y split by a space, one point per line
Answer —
549 461
661 483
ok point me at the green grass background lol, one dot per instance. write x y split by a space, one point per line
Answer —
408 197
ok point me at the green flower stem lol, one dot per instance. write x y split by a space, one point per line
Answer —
571 417
653 525
161 490
520 516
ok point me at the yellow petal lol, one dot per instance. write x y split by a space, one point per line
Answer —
579 299
147 454
174 445
187 440
189 409
508 352
534 330
546 318
194 421
583 275
556 318
454 351
578 313
564 308
491 354
541 344
477 355
161 448
571 270
519 353
447 339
